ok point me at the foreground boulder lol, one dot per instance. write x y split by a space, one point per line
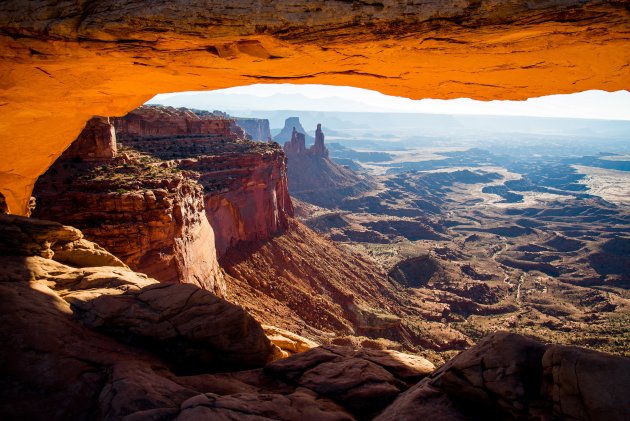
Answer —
193 329
88 342
509 376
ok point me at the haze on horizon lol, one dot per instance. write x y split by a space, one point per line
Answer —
271 97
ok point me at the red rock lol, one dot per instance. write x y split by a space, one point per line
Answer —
246 193
256 128
96 141
154 222
146 121
297 144
319 149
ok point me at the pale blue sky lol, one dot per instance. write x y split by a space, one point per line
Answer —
589 104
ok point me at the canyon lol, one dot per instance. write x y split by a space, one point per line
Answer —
133 348
176 282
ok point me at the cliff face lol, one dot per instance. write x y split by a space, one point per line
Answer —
256 128
247 196
96 141
168 121
149 215
246 193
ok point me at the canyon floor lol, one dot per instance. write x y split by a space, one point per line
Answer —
482 241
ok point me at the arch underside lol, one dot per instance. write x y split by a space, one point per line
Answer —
60 67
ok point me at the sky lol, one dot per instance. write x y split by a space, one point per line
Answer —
588 104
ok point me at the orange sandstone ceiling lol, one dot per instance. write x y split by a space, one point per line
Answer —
62 62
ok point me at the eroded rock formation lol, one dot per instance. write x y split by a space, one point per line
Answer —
148 214
246 194
109 58
291 125
319 149
507 376
149 121
313 177
111 344
96 142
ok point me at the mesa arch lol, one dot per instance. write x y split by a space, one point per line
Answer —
60 66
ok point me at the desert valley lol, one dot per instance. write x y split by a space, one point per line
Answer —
176 257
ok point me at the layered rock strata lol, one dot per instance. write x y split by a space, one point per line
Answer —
109 58
302 282
96 142
246 194
148 214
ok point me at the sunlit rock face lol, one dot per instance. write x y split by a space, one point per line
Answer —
150 215
245 182
63 63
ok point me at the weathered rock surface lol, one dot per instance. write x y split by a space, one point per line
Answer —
152 217
174 320
97 141
109 58
363 383
508 376
107 343
50 356
158 121
288 342
586 384
246 195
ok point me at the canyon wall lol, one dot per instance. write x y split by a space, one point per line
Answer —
149 215
149 120
257 128
246 192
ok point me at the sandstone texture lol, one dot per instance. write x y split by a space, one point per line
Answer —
109 58
508 376
97 141
151 217
246 196
92 341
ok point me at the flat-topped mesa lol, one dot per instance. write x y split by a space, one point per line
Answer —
292 124
155 121
96 141
256 128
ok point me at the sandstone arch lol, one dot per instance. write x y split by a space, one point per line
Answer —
62 65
